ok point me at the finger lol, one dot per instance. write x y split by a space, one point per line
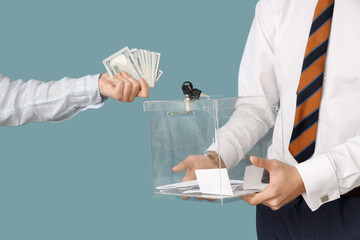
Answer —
183 165
135 86
126 75
210 199
134 92
189 176
127 90
117 78
144 89
273 203
248 197
207 199
262 163
119 90
259 198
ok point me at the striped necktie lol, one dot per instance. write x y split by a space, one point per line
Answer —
303 137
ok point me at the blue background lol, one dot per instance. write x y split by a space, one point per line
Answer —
90 177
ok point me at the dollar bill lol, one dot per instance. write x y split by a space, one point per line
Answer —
159 74
139 63
121 61
136 55
156 71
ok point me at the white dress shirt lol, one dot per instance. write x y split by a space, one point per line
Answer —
272 63
35 101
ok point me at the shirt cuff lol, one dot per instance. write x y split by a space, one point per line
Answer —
90 87
319 177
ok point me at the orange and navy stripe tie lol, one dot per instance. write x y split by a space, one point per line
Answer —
303 137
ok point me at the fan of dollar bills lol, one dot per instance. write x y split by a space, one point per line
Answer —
138 63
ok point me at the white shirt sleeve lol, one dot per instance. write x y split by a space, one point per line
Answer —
252 120
256 73
35 101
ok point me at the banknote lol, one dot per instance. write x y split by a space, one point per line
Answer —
139 63
121 61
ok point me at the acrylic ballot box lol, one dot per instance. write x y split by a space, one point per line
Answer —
229 130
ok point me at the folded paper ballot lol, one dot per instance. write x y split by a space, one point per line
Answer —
252 178
190 185
214 181
180 185
215 184
234 188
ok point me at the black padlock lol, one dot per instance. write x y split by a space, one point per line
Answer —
188 90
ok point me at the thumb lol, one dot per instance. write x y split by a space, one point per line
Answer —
260 162
144 89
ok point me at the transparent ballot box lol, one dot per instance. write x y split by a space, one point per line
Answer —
200 148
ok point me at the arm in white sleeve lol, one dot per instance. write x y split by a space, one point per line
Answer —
340 173
251 121
35 101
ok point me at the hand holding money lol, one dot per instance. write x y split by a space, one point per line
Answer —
123 87
138 63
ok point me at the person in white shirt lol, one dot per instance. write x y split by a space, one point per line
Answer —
317 198
36 101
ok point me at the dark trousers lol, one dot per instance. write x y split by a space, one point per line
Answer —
339 219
